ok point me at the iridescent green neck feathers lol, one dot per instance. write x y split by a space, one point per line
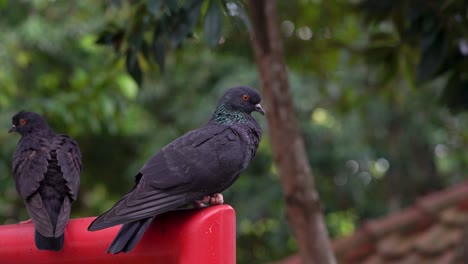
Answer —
225 116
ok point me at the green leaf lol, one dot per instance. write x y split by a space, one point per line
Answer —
455 93
105 37
110 37
159 50
236 11
377 54
187 21
145 49
134 2
133 66
434 54
117 3
212 26
154 6
376 10
172 5
135 40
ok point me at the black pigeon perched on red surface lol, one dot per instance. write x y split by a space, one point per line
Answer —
192 169
46 170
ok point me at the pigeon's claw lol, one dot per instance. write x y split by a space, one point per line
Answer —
29 221
216 199
208 200
202 203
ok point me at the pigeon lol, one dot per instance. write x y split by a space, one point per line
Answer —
192 170
46 170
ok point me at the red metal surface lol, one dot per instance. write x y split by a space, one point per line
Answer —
205 236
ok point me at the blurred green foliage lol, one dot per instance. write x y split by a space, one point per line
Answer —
376 137
437 34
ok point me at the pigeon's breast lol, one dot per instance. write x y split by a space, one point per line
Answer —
238 152
246 145
220 160
250 134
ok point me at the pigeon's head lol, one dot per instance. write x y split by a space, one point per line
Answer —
27 122
243 99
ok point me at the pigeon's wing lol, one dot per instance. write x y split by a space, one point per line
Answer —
182 160
39 215
130 208
63 217
29 166
69 160
166 181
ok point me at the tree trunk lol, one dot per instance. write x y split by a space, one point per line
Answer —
303 207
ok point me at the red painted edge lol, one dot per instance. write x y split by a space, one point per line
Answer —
205 236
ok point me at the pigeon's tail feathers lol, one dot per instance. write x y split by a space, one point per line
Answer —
128 236
48 243
121 213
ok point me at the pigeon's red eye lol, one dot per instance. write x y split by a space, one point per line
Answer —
22 121
245 97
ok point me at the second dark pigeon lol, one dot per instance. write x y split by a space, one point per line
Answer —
193 169
46 170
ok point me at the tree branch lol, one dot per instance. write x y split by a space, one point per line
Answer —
302 200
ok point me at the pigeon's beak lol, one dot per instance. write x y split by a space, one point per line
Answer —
259 109
12 129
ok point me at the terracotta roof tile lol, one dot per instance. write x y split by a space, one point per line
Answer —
432 231
373 259
445 258
394 246
411 258
359 253
360 243
461 253
463 206
454 217
437 240
442 199
401 220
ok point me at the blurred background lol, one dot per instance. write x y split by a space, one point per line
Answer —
379 89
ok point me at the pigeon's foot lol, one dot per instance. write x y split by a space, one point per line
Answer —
208 200
202 203
216 199
29 221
